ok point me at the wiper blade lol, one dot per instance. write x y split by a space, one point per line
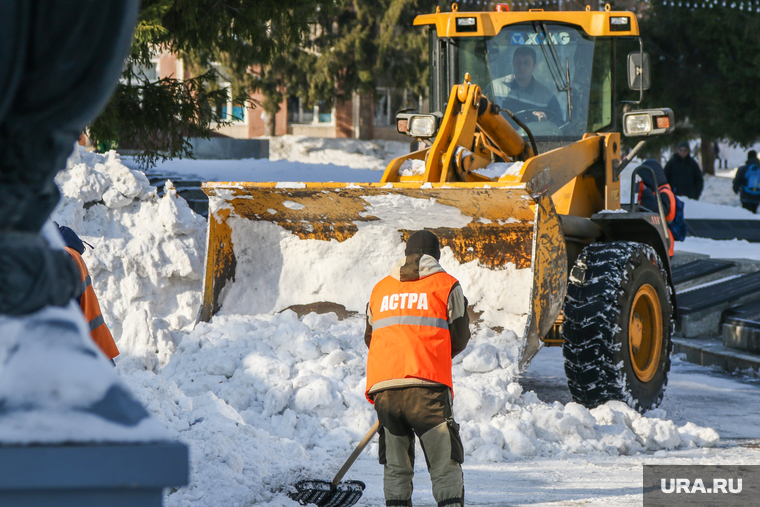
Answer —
561 80
490 76
555 67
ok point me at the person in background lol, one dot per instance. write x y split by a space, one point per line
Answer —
648 198
747 182
683 173
88 301
716 153
417 322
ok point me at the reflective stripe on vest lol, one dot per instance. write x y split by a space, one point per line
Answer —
410 320
86 283
410 331
88 302
97 322
665 189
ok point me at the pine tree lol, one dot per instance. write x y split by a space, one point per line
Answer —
158 117
357 45
706 68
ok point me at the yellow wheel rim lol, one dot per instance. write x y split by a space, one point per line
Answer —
645 333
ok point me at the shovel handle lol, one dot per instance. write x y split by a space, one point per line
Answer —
356 453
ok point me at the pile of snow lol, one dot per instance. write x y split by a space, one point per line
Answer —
353 153
718 189
316 159
148 254
412 167
275 269
265 398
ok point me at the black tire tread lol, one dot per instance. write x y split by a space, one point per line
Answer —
592 312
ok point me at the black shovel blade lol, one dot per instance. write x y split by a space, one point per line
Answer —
325 494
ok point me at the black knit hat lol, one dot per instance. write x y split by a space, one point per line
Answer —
423 242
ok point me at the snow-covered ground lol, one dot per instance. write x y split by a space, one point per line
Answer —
265 399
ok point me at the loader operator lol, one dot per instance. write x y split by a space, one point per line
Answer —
416 322
520 92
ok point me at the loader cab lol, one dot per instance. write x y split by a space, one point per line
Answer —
569 93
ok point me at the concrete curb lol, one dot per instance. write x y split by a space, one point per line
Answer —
711 352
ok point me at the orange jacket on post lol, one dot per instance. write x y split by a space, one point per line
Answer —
667 193
91 309
410 330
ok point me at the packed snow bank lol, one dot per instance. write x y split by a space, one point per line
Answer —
266 398
353 153
317 159
718 201
254 170
275 269
148 254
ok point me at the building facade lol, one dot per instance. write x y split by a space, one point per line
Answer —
362 116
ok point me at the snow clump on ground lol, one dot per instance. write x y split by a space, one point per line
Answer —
148 254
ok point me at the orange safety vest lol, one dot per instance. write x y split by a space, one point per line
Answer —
91 309
668 192
410 330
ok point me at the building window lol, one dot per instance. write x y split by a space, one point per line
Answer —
324 112
306 114
238 113
294 107
226 109
147 72
388 101
320 114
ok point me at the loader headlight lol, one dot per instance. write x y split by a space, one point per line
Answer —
422 125
620 24
414 124
648 122
467 25
638 124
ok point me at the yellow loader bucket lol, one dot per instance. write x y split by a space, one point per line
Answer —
266 240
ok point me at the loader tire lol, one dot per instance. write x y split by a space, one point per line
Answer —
618 325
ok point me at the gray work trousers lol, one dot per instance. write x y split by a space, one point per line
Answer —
425 412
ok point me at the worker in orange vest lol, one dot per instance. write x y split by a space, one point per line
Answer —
88 301
648 190
416 323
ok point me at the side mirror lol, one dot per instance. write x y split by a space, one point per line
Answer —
638 70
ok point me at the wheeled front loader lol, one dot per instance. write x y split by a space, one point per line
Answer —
517 183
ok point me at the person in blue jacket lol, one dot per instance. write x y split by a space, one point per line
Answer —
746 182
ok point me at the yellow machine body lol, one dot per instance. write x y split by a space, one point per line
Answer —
514 219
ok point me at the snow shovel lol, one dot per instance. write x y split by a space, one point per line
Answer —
335 493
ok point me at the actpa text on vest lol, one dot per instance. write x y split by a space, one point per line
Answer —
404 301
